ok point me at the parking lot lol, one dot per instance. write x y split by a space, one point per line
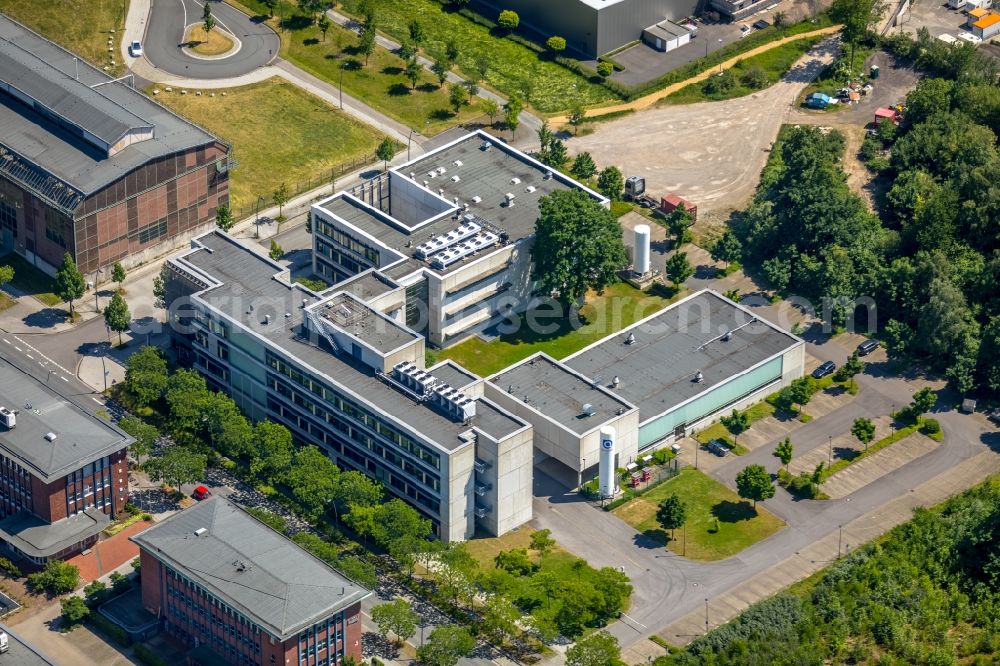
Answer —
936 16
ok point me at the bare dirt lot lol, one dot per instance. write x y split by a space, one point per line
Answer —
710 153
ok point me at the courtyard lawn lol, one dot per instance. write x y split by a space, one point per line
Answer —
31 280
775 63
719 523
279 133
209 44
619 306
381 83
82 26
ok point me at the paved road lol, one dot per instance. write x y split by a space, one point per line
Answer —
168 20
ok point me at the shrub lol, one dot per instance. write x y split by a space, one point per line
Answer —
9 568
148 517
95 593
556 44
509 20
131 509
930 427
56 578
755 78
74 611
136 564
605 69
720 83
147 656
119 583
663 456
110 629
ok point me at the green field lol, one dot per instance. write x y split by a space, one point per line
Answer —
619 306
774 63
719 523
279 133
513 67
381 83
31 280
82 26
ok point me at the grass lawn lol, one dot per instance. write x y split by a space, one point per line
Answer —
775 63
209 44
719 523
619 306
310 137
82 26
31 280
381 83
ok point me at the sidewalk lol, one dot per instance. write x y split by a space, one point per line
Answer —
819 554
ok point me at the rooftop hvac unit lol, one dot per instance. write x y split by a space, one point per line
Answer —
200 531
51 436
442 171
8 418
477 199
432 174
461 250
463 231
457 163
530 188
458 405
508 200
455 178
485 145
515 180
548 175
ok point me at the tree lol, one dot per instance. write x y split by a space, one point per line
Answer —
472 88
754 483
272 450
678 268
160 288
556 44
95 593
578 246
514 561
207 20
118 275
312 478
386 151
366 43
324 24
280 197
482 66
355 489
491 108
144 434
583 166
783 451
224 218
605 69
577 116
457 97
6 274
864 430
313 7
728 248
440 69
512 112
857 17
542 541
146 375
177 466
417 33
600 649
395 617
117 315
451 51
57 577
555 155
412 72
736 423
671 514
70 284
74 611
755 78
779 18
446 645
611 183
508 20
270 4
923 401
853 366
275 251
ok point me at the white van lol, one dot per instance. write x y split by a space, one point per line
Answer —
3 642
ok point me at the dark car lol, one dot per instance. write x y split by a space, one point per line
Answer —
761 24
201 492
824 370
867 347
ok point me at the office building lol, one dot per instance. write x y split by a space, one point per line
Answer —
93 167
63 471
237 592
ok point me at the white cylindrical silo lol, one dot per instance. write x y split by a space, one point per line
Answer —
606 470
641 263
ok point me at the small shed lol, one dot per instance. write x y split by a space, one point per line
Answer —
987 27
666 36
883 113
817 100
672 202
976 13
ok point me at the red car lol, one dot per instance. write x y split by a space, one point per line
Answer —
201 492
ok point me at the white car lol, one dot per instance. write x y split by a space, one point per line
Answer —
135 49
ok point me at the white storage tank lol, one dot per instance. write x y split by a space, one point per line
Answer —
641 263
606 470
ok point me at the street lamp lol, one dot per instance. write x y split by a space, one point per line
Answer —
830 439
408 139
706 615
260 197
341 87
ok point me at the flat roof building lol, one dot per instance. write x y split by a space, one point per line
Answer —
93 167
238 591
63 471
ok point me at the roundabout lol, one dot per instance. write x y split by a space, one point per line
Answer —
175 43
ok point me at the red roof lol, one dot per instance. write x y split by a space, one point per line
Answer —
675 200
885 113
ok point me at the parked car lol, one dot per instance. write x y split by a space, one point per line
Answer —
4 642
761 24
745 30
201 492
824 370
867 347
135 49
718 448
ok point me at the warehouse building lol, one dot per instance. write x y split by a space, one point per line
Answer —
450 233
594 27
92 167
63 471
238 592
351 380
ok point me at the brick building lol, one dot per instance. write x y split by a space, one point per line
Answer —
63 471
93 167
240 593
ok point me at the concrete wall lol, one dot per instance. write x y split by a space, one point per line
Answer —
413 205
510 476
457 496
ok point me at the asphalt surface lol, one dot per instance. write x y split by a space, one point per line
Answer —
165 30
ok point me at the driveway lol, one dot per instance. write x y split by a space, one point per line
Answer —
168 20
711 153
